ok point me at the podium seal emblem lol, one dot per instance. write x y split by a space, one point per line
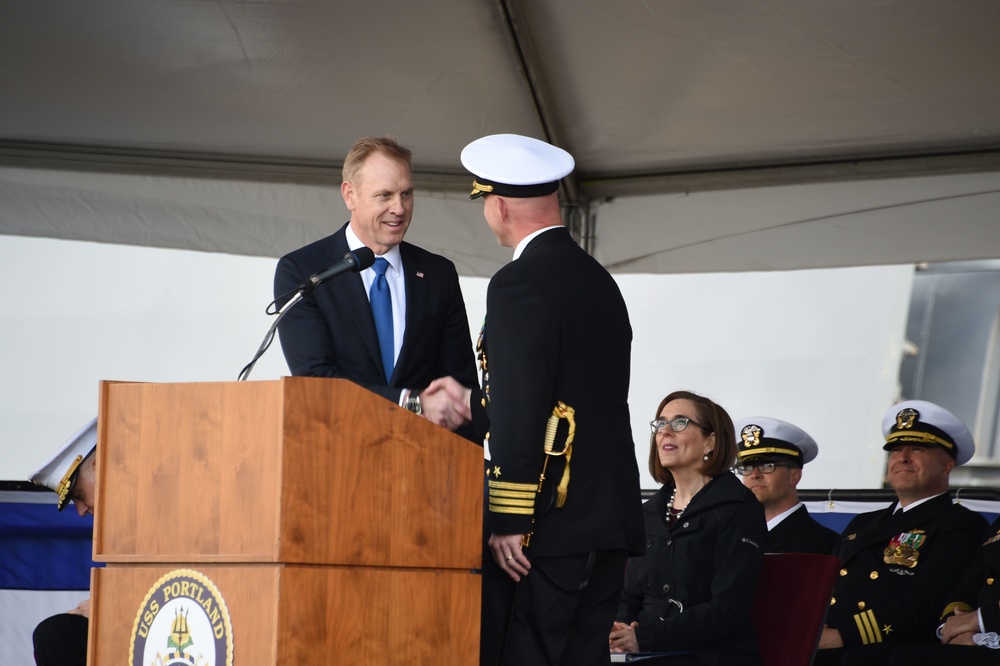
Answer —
183 621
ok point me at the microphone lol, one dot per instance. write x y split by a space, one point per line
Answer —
353 262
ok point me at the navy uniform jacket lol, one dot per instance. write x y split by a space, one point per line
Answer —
557 329
980 586
897 570
800 533
331 332
709 563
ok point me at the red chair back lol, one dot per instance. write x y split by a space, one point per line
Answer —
789 609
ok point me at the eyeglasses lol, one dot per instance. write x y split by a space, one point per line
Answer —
765 468
678 424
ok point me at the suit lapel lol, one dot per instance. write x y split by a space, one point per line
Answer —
359 309
416 298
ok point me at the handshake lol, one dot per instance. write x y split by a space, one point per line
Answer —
446 403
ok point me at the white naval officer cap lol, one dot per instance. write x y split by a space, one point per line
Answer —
771 440
923 423
60 471
511 165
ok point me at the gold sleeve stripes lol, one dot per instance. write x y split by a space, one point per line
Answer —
950 608
507 497
868 627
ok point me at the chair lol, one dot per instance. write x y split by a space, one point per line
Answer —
789 608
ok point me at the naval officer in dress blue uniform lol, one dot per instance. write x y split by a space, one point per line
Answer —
564 506
771 455
900 563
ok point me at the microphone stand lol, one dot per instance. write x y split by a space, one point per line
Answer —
353 262
269 336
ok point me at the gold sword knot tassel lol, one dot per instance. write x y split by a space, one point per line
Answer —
559 412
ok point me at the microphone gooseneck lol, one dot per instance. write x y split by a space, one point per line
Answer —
353 262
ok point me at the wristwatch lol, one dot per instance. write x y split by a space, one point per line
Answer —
413 404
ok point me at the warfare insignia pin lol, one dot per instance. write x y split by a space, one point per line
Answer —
906 418
183 621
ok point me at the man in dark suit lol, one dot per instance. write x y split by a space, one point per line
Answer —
555 358
333 332
900 563
771 456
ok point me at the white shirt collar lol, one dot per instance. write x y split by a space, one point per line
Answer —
771 524
527 239
913 505
393 256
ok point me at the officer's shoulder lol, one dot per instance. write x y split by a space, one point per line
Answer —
963 516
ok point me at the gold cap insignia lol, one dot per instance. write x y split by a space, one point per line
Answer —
906 418
477 188
751 435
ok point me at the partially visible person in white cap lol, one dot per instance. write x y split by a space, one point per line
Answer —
556 345
71 473
900 563
771 456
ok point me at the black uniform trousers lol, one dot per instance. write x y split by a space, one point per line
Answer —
563 609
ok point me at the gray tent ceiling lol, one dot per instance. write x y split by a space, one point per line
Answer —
654 96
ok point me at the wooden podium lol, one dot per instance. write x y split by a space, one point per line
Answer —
337 527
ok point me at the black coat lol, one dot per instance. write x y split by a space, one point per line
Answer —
557 330
876 601
709 562
980 586
799 533
331 332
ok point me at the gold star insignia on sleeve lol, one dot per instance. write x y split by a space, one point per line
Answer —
886 629
496 471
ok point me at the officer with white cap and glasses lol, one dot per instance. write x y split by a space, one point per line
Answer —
771 456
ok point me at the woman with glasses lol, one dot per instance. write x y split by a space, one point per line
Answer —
691 594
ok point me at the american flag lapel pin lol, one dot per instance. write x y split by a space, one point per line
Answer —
419 274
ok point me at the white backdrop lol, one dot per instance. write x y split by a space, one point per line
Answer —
820 348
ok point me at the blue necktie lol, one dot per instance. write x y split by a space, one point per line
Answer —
381 299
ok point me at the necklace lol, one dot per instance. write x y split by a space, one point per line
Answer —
672 513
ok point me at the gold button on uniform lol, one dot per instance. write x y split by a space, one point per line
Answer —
843 572
861 605
483 401
989 581
833 600
873 575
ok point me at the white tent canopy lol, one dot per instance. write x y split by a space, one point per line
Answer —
804 132
899 221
